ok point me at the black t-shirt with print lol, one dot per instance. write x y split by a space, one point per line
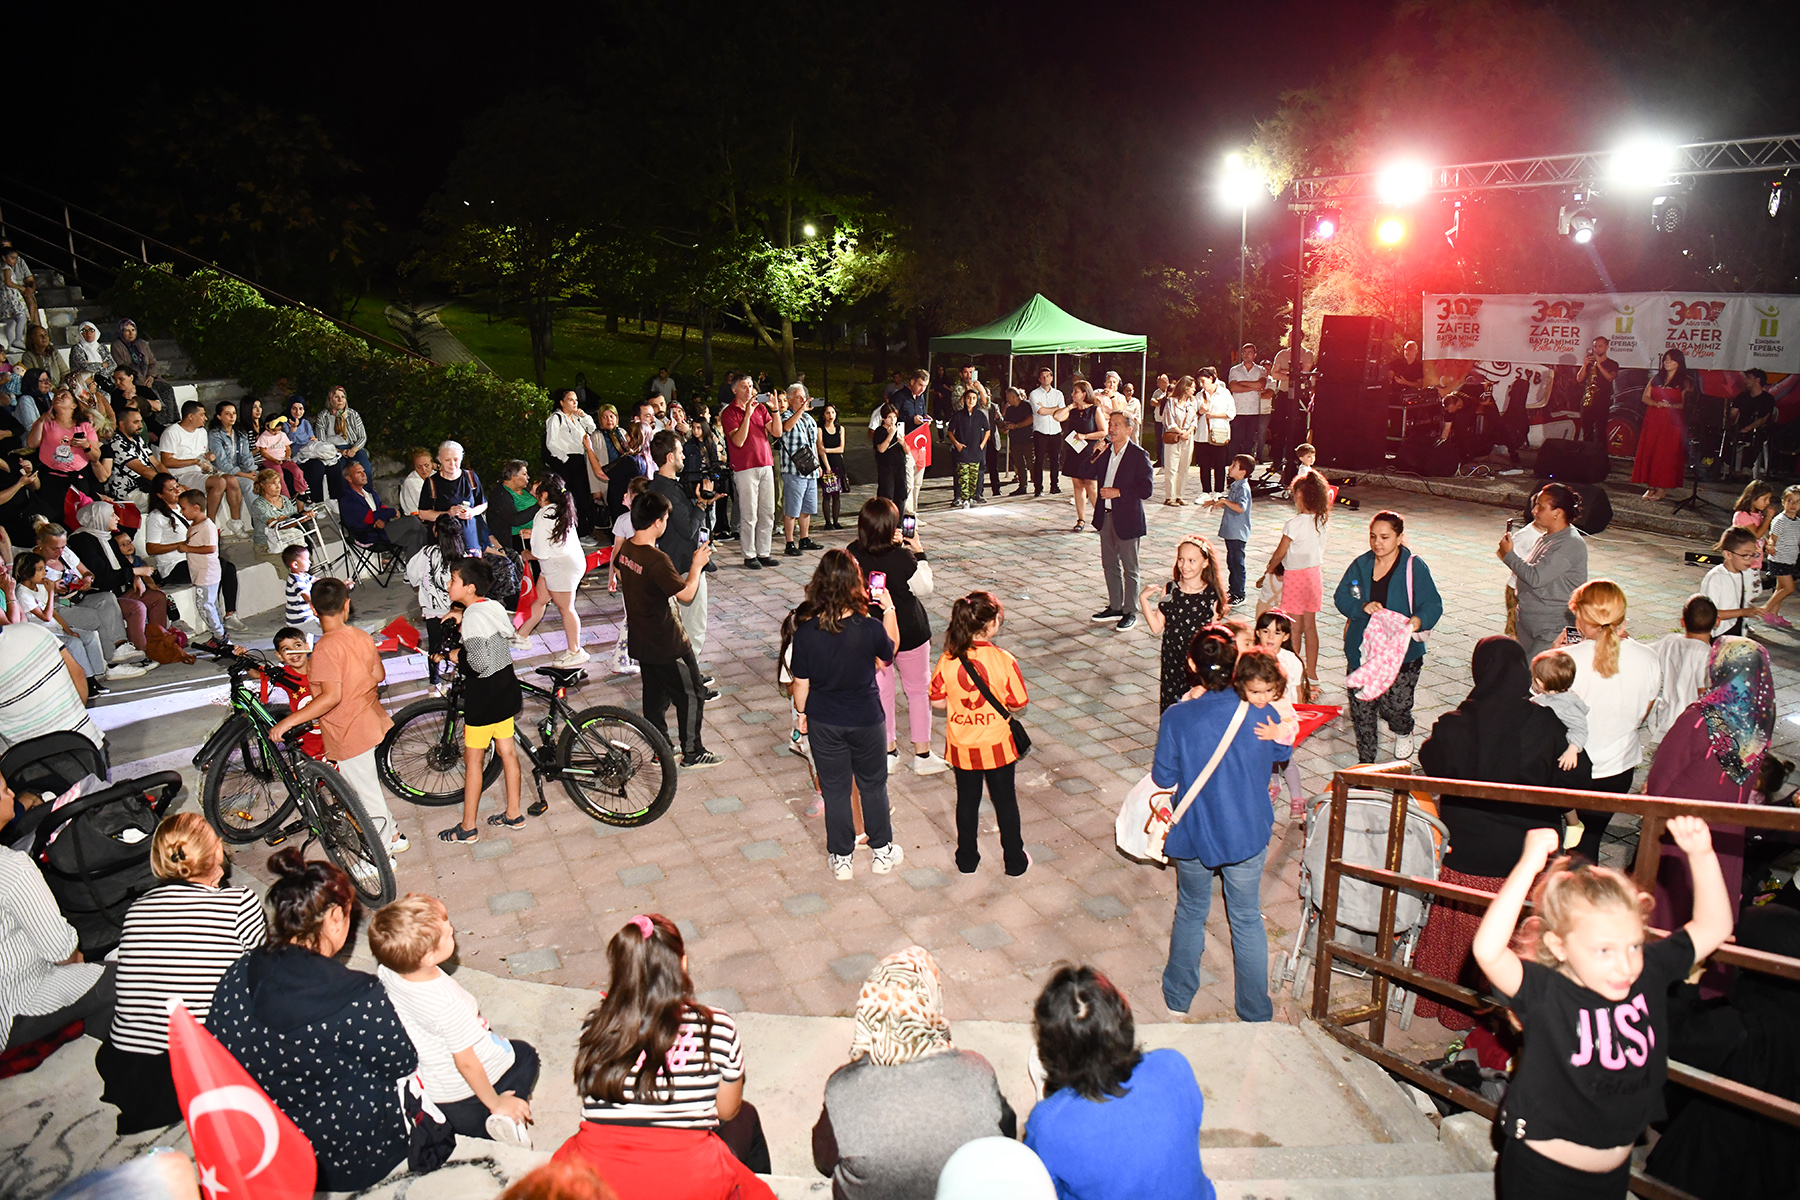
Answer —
1592 1070
648 579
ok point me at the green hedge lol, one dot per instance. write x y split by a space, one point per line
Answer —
229 330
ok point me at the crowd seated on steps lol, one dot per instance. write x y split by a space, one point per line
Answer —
661 1076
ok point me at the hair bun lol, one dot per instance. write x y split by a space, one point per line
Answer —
288 863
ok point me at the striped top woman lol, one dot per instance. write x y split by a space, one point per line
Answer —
177 942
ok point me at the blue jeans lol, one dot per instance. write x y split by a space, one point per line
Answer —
1249 939
1234 568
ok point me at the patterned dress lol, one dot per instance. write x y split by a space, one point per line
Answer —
1184 614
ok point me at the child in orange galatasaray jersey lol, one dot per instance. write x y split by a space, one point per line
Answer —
979 741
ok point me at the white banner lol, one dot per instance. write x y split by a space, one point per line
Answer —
1716 331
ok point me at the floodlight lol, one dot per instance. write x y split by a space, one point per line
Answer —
1241 184
1667 214
809 229
1391 231
1403 182
1644 164
1325 224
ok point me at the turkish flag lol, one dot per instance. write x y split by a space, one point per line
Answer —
1314 717
918 444
237 1133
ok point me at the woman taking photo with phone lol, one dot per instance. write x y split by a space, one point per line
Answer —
884 546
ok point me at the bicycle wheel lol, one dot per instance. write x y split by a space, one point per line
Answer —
242 796
345 831
421 759
616 766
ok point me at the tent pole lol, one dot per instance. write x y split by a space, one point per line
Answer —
1144 385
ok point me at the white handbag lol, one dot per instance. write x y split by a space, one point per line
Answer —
1145 819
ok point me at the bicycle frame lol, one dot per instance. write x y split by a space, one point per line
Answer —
251 719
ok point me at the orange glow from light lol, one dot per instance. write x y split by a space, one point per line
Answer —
1391 231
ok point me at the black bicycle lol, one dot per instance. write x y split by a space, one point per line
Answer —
253 784
614 765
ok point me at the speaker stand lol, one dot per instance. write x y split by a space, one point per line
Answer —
1693 499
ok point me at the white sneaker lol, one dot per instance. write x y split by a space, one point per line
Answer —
930 764
570 658
840 866
126 670
521 642
1404 746
399 845
506 1131
887 858
125 653
893 761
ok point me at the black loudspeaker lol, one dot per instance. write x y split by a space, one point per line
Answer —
1355 350
1572 462
1349 425
1596 508
1423 454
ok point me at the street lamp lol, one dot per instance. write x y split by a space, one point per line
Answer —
1240 185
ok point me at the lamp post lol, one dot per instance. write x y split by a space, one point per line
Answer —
1239 185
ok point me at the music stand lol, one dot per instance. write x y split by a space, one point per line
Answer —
1693 499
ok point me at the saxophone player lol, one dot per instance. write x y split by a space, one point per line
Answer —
1596 382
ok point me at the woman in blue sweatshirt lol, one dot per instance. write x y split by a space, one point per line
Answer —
1393 577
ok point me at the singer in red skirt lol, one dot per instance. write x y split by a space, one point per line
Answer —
1662 443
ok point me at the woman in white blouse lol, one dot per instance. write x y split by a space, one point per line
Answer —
1619 679
1177 413
569 452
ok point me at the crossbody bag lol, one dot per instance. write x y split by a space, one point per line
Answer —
1021 739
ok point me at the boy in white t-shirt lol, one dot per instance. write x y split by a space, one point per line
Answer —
202 549
1683 657
479 1080
1732 584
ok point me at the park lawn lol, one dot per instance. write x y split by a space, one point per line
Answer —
617 365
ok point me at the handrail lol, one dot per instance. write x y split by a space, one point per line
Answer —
147 240
1398 779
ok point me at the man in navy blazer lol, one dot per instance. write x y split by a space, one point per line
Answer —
1125 483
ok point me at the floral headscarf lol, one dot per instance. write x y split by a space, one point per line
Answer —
900 1012
1739 706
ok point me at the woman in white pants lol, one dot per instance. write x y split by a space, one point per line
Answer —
1179 410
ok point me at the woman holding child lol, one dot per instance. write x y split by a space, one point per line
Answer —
1387 578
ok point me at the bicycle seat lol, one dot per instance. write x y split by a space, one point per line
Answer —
563 676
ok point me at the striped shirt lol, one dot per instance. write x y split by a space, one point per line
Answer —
299 598
699 1063
1784 536
443 1020
177 942
36 694
34 941
976 738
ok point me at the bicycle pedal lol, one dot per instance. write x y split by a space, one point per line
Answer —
538 808
275 839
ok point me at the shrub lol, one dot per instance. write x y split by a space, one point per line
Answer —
228 329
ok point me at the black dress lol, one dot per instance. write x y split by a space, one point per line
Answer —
834 453
1184 615
441 495
1081 464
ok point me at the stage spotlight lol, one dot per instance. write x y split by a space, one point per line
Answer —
1775 196
1578 224
1325 224
1403 182
1667 214
1644 164
1391 231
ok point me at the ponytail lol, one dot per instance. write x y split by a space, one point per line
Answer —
968 617
1601 602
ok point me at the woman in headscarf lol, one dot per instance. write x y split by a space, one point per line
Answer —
131 350
1711 1148
34 397
907 1099
1496 735
89 353
1713 752
141 602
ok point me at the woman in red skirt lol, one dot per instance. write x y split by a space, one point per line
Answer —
1496 735
1662 444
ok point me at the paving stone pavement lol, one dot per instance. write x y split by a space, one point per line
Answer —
735 860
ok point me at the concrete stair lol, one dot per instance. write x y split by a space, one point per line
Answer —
1290 1114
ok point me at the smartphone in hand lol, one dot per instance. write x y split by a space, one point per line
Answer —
877 581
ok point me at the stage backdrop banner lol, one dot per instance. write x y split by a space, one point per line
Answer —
1716 331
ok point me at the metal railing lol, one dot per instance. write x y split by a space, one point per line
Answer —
75 240
1397 779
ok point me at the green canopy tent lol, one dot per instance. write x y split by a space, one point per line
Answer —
1039 327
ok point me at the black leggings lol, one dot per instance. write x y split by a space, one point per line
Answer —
227 581
993 469
1595 822
890 478
1527 1175
1395 706
1000 790
436 629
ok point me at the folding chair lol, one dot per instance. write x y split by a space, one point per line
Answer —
380 559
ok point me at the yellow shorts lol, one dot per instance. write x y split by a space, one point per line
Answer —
480 737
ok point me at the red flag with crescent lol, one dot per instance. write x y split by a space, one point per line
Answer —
918 444
244 1147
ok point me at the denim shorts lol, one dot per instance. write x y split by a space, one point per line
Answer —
799 495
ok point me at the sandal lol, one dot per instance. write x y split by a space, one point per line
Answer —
517 822
456 833
1079 525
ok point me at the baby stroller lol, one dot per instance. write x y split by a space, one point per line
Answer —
94 849
1359 903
